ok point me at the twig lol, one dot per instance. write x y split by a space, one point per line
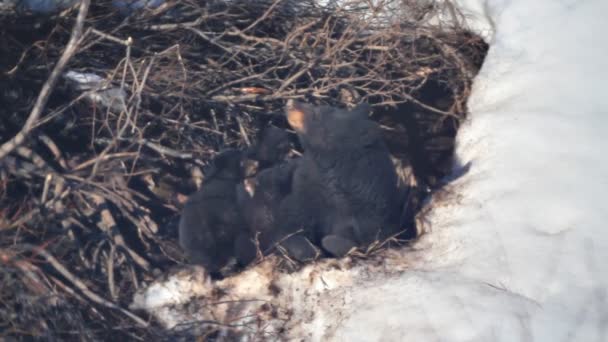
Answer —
125 42
54 149
242 131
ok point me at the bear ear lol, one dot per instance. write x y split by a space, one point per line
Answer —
296 113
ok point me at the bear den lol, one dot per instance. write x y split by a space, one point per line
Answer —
342 193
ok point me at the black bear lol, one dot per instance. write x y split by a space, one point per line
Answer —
345 189
261 197
211 225
217 221
272 147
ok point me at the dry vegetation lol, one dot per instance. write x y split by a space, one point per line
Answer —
89 191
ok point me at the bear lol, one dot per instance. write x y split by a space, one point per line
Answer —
345 190
215 222
260 198
211 225
271 148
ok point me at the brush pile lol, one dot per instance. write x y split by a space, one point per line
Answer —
111 110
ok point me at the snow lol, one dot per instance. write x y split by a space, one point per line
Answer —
517 248
98 90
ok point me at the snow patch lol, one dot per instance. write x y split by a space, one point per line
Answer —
263 301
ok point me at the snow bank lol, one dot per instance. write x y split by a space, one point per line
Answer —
517 254
517 248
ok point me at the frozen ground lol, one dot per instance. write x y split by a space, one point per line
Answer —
517 250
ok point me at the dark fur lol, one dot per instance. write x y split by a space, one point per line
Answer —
211 222
262 211
272 147
346 187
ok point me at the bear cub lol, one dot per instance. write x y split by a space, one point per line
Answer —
260 198
345 189
211 225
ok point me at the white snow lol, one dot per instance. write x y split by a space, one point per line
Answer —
518 249
98 90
